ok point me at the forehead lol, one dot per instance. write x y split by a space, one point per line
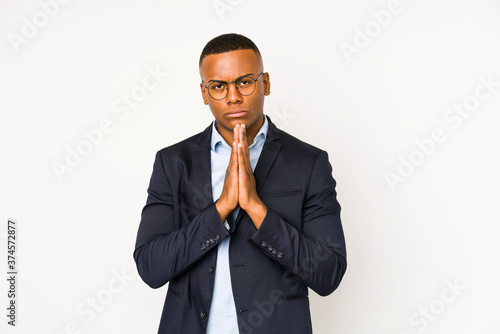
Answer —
230 65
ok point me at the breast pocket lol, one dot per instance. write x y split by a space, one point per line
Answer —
287 203
271 193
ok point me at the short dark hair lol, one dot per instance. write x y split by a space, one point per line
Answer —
226 43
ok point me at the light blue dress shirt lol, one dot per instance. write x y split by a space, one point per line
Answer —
222 316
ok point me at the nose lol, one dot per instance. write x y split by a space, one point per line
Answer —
233 96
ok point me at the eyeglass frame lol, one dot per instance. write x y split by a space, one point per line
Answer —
227 85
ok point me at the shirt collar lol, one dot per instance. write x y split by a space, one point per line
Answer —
217 138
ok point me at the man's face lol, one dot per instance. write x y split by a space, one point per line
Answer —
235 108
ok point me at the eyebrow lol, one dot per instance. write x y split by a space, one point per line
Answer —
238 78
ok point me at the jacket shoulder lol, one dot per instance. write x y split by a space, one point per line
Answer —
298 146
187 145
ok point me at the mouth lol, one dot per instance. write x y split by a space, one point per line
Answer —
234 113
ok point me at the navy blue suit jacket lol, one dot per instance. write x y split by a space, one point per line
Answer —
300 243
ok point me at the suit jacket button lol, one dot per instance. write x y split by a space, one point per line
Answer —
270 247
280 255
263 243
217 238
203 247
211 270
203 316
274 251
207 243
212 241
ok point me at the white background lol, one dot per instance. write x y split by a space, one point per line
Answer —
406 244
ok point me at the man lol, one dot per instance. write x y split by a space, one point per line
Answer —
241 218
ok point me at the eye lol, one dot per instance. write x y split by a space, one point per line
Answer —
245 82
217 86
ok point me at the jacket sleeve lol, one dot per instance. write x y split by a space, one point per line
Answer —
316 254
164 249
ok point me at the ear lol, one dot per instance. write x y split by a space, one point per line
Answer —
204 94
267 84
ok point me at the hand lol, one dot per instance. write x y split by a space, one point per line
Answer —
247 191
248 198
228 200
239 183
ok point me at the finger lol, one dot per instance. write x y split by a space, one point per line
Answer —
243 165
235 137
243 134
236 132
233 160
237 143
246 150
241 138
234 150
241 157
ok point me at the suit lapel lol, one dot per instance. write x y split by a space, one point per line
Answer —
202 175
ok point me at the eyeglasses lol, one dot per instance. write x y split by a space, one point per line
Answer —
245 85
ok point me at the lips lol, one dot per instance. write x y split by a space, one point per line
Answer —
236 113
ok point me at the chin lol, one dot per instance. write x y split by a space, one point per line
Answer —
239 120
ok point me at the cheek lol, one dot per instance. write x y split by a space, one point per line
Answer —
258 102
215 107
